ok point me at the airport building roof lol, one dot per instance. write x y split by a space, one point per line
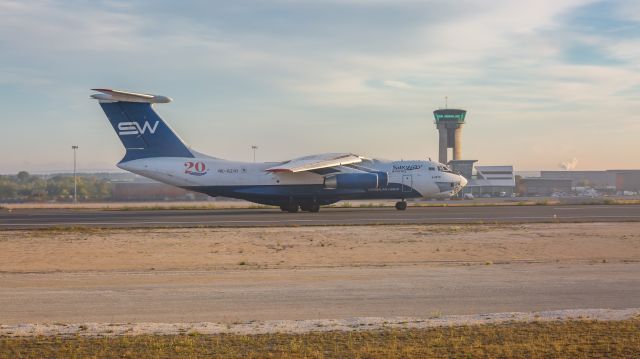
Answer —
495 176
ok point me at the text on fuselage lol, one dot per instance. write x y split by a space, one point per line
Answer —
405 168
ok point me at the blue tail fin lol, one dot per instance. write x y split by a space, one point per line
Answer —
142 132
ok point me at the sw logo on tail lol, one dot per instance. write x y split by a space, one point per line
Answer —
134 128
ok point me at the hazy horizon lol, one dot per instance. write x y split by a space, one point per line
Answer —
544 83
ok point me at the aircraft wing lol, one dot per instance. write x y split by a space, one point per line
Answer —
313 162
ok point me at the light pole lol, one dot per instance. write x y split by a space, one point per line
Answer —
254 148
75 182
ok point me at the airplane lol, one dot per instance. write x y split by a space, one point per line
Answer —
155 151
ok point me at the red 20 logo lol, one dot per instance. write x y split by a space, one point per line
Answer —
195 168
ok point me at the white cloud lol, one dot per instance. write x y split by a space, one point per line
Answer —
504 60
48 27
627 10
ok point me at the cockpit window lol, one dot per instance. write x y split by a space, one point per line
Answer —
444 169
432 168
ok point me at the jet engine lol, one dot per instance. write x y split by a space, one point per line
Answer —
356 180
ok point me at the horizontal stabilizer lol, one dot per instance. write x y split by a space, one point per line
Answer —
109 95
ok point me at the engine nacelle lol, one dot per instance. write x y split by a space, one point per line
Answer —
356 180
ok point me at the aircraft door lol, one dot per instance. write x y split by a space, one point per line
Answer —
407 183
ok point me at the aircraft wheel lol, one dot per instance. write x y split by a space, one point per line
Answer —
284 208
292 207
401 206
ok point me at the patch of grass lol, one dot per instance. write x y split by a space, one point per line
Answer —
173 207
422 204
184 207
66 230
258 206
609 201
430 229
159 207
571 339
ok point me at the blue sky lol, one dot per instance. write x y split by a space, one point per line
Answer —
544 82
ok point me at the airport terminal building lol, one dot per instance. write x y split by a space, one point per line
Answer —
608 180
538 186
485 181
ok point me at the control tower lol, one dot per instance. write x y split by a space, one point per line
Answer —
449 124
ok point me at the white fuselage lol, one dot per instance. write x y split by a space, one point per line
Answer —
205 174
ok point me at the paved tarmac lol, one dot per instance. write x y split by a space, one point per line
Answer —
45 218
317 293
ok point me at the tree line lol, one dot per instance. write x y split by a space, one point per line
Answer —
27 187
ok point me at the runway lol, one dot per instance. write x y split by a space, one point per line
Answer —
242 295
243 274
47 218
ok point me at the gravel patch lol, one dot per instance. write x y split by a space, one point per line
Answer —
306 326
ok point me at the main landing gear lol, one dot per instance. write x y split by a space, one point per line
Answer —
401 206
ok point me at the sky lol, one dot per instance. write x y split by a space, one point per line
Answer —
545 82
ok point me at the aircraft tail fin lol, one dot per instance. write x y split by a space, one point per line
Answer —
142 132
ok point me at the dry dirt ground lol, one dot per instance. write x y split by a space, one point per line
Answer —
99 250
218 274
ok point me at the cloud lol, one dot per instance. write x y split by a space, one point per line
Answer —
525 68
54 28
